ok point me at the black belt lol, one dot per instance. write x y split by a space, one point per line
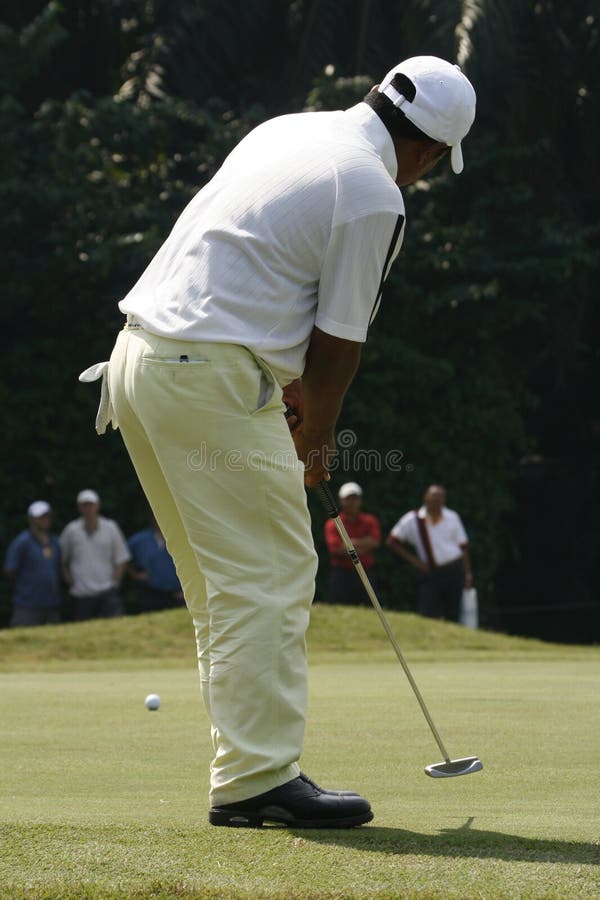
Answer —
453 562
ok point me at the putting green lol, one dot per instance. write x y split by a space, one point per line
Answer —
102 798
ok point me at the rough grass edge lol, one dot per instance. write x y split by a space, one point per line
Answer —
164 890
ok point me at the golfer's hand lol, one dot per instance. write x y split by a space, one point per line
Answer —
316 451
292 397
423 567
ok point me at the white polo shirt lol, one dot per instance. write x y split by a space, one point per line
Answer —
446 537
92 557
299 227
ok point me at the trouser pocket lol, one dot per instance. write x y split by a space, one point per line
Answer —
269 392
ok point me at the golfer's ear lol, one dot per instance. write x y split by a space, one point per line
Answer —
436 150
428 151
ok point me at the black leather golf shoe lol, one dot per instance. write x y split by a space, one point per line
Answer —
325 791
299 803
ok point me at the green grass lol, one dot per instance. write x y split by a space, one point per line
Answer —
136 640
102 799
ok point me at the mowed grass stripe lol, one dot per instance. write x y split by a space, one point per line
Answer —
105 799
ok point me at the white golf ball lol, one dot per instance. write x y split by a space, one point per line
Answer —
152 701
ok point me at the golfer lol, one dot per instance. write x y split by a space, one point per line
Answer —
272 274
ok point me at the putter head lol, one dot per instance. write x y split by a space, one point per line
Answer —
454 767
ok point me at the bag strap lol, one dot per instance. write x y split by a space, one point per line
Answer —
424 535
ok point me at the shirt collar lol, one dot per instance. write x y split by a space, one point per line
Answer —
376 134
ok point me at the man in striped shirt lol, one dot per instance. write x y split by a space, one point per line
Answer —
263 293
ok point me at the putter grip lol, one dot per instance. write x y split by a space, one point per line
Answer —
327 499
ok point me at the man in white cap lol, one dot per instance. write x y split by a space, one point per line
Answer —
94 554
365 531
32 564
272 274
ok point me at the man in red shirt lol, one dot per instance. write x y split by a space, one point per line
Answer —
344 584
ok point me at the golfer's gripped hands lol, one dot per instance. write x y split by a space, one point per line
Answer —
316 449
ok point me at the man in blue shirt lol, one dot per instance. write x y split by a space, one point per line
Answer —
33 565
153 570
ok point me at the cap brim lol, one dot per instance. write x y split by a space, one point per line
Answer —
456 159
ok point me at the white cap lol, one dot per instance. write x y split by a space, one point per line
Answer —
348 489
443 107
38 508
88 496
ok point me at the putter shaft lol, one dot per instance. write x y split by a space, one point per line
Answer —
331 507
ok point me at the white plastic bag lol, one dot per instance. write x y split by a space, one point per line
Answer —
469 608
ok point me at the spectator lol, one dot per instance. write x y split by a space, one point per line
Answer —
153 570
344 584
94 554
32 564
441 543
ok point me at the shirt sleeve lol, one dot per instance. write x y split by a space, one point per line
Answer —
357 261
65 544
332 537
133 545
461 534
11 562
374 528
120 549
402 530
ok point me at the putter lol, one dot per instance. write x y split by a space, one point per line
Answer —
450 768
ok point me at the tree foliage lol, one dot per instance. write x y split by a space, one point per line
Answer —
90 187
481 366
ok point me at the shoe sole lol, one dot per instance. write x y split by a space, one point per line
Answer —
257 820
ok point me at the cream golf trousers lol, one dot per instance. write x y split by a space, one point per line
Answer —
203 424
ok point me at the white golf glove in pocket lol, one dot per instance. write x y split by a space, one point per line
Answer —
105 412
